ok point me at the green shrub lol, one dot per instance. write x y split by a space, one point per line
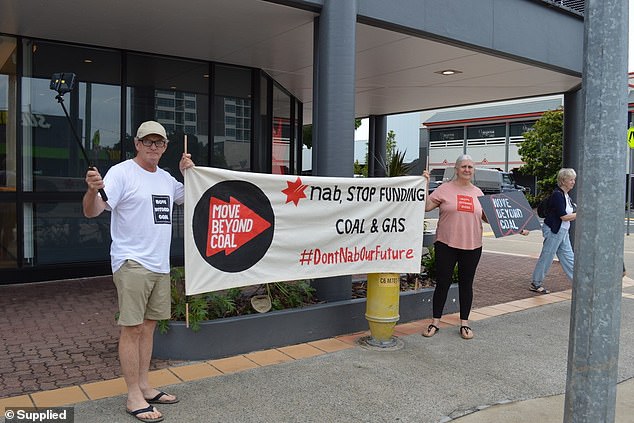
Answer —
230 302
534 200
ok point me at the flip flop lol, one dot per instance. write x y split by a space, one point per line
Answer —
157 399
466 332
148 409
429 332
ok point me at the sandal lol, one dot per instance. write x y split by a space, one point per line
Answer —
157 399
148 409
429 332
539 290
466 332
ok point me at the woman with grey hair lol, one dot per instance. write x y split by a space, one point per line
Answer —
560 212
458 241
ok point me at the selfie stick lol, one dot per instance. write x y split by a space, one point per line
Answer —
60 99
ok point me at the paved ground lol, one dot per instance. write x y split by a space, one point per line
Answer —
514 371
59 334
63 335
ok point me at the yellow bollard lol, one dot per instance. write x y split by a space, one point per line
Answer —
382 307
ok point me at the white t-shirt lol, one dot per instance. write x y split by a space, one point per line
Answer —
141 206
569 209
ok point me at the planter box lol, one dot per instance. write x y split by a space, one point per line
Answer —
242 334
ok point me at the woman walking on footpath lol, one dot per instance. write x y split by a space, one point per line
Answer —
458 240
560 212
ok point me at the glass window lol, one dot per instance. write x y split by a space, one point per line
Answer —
297 141
52 157
165 102
151 78
8 153
162 115
62 235
8 235
233 92
262 126
281 152
8 112
57 128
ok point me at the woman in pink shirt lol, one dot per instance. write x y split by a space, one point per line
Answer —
458 240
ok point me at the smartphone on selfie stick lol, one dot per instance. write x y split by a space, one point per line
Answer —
64 83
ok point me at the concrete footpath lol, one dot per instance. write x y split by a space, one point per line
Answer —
514 370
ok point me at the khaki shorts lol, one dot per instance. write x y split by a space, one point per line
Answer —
143 294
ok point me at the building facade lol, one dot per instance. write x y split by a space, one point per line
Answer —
492 134
216 105
239 78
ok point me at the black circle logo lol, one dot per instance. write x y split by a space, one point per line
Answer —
233 225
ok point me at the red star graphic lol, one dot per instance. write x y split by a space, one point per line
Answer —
295 191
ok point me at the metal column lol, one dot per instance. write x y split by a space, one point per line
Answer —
596 299
573 133
336 89
333 117
378 138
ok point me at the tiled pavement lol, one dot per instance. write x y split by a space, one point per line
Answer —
59 339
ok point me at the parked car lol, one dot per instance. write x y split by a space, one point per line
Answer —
433 185
509 184
490 181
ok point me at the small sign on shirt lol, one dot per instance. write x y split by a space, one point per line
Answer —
508 213
465 203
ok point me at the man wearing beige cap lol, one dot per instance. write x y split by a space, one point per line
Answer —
140 199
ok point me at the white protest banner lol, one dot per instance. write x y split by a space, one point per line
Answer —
248 228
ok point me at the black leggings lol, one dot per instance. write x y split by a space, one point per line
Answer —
446 259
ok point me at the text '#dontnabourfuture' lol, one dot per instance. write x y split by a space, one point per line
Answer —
316 256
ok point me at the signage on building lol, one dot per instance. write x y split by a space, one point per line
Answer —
448 134
488 131
517 129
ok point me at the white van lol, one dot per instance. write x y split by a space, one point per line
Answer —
490 181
